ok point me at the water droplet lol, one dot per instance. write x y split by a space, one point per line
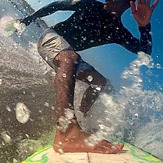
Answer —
0 81
15 160
98 88
52 107
6 137
40 111
46 58
136 115
46 104
64 75
8 108
22 113
158 66
90 78
69 114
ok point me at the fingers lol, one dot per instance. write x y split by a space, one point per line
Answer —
133 7
138 2
143 1
154 4
148 2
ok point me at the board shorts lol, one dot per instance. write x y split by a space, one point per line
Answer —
51 44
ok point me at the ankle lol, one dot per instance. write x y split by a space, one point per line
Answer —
64 121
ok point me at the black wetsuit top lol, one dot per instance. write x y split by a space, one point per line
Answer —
90 25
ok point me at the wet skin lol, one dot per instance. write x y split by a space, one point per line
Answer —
73 139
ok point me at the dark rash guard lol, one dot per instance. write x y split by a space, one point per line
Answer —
90 25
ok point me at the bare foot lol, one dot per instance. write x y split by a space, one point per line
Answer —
73 140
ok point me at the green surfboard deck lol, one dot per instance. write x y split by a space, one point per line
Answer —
131 154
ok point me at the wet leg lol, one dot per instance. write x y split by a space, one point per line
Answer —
69 136
97 83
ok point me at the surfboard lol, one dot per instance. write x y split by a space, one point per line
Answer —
130 154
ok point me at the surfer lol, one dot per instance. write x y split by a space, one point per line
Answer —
92 24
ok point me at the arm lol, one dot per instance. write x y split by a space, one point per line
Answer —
135 45
142 13
56 6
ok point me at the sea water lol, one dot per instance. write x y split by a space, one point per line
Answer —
131 113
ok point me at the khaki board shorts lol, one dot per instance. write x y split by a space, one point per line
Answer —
51 44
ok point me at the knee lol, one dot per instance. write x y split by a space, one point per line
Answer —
68 57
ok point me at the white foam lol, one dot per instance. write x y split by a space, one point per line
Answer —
132 113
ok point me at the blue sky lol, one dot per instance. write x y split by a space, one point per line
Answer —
112 59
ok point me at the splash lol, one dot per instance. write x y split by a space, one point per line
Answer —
64 121
141 104
9 25
143 108
127 113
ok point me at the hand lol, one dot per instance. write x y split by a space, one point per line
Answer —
142 11
14 26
